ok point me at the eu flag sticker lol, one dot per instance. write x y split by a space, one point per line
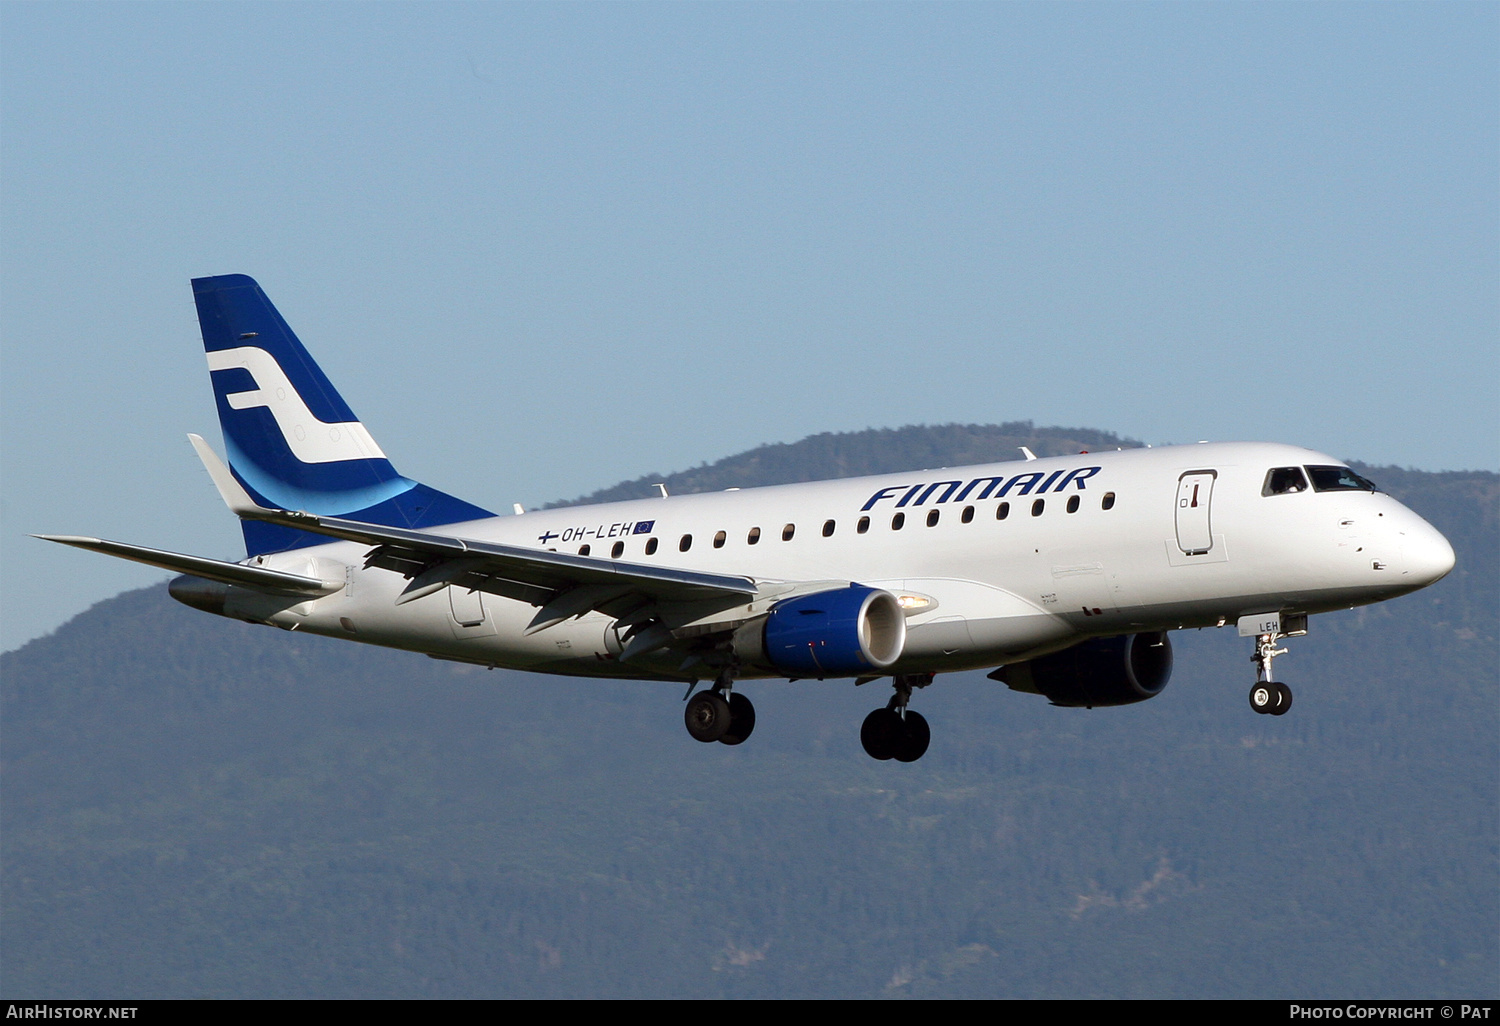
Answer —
644 527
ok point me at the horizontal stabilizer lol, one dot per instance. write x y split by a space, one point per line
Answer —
256 578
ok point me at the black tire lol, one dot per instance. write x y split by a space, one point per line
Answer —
707 716
741 720
1284 700
1263 697
915 737
881 733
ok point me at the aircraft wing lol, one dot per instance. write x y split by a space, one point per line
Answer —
442 558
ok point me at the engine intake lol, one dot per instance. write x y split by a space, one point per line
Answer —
1100 671
842 632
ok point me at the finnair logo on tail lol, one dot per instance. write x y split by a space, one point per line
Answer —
310 439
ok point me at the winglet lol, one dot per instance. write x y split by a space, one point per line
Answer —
231 491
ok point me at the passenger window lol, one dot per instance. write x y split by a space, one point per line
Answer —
898 521
1284 481
828 529
719 540
1038 506
863 525
788 531
583 550
650 546
1073 504
685 544
754 536
1002 511
617 551
968 514
1109 501
932 518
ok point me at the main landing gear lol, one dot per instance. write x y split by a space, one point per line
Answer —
1268 696
720 714
897 732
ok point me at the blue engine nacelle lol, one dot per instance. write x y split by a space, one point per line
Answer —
843 632
1100 671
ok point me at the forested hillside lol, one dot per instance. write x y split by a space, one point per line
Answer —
196 807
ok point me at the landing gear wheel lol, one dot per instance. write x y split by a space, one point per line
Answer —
1284 699
881 734
1269 696
915 737
707 716
741 720
1263 696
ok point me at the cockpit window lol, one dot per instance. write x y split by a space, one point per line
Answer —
1339 479
1281 480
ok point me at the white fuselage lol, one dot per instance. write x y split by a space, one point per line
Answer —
1188 540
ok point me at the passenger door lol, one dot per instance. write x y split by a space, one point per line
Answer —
1195 491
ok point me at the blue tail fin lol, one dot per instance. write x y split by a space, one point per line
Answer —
291 439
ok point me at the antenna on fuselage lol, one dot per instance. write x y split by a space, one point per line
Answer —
1029 454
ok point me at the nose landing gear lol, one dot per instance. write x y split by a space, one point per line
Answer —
897 732
1268 696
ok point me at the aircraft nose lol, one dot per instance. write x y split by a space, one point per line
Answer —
1428 555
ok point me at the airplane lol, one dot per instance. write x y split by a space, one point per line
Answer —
1063 576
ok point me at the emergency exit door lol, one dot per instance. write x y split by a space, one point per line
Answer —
469 620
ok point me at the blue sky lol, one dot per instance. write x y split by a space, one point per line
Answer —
542 248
